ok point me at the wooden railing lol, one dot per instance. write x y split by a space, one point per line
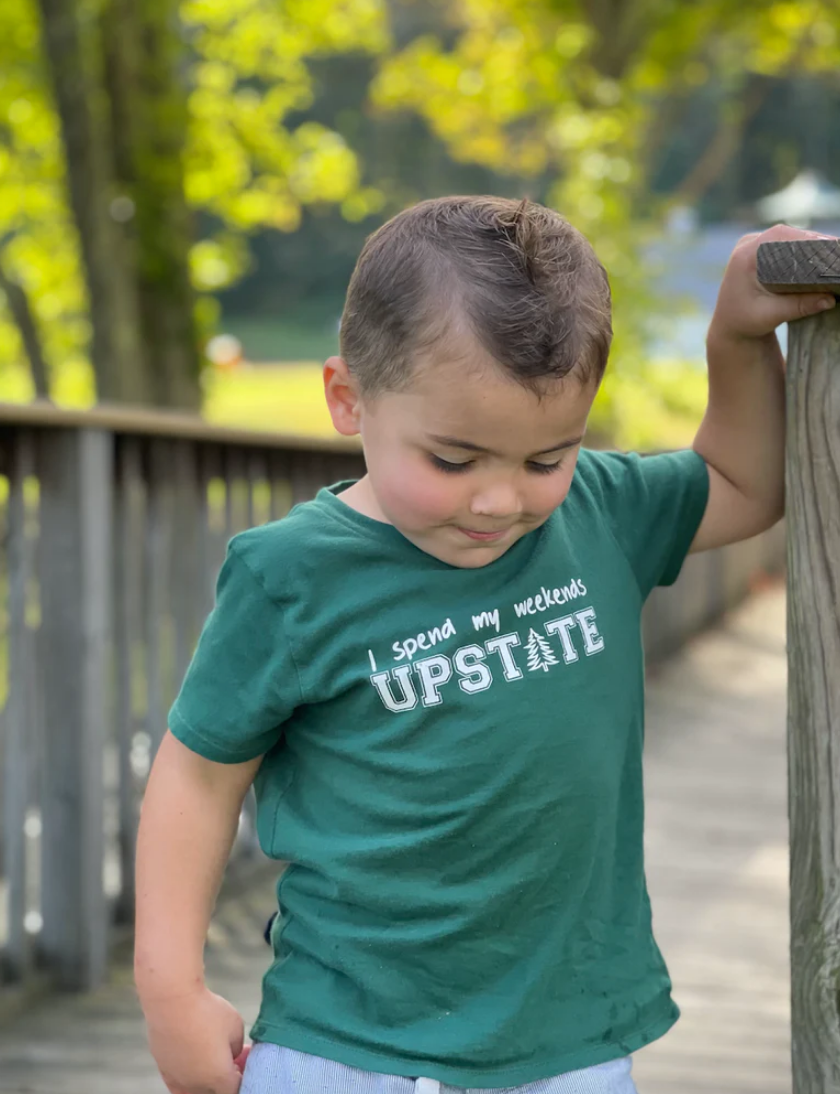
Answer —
113 525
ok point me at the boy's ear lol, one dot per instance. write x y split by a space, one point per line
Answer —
342 395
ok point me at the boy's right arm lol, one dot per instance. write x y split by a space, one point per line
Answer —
188 823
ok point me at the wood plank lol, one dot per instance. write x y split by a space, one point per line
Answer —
259 491
18 758
76 500
206 552
716 850
128 633
801 265
184 592
157 560
307 475
237 494
281 488
145 422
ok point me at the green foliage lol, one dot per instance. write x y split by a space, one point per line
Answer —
652 406
247 166
244 164
578 101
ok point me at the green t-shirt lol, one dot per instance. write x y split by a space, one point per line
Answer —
453 768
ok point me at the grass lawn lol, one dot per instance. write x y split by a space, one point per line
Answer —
283 340
285 398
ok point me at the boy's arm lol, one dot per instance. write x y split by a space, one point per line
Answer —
188 823
742 436
187 827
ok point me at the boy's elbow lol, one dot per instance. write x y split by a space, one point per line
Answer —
768 515
775 509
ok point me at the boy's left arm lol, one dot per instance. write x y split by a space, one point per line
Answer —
742 436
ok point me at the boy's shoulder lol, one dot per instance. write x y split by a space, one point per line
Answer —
600 474
599 463
276 552
609 472
631 487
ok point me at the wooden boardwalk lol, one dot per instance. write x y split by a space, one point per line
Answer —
717 861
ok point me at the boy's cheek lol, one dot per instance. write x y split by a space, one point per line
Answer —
554 493
415 495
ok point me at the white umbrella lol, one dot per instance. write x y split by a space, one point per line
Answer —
809 197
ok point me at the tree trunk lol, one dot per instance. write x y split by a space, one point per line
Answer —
142 49
620 27
726 141
21 312
114 307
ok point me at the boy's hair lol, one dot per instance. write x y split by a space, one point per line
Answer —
517 276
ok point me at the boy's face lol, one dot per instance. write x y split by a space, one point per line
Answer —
464 462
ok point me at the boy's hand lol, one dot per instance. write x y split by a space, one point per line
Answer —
745 309
197 1042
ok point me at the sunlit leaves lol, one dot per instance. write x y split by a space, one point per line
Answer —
244 163
491 96
216 263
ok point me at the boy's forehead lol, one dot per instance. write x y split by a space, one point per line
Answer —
481 404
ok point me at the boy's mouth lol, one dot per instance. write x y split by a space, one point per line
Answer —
484 536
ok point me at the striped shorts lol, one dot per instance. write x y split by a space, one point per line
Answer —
272 1069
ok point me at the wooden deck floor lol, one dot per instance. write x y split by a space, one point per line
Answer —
717 861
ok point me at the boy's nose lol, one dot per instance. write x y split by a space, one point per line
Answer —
500 501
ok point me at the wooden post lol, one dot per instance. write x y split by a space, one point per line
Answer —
76 516
813 522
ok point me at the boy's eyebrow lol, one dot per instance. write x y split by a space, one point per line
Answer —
453 442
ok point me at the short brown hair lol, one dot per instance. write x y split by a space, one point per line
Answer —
528 285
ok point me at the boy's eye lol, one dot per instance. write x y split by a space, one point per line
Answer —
453 468
544 468
449 466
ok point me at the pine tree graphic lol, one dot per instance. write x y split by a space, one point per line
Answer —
539 652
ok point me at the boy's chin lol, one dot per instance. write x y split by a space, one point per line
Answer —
469 556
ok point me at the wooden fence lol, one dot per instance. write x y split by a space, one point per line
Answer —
113 525
113 528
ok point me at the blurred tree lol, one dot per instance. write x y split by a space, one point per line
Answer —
116 333
589 91
21 310
574 86
38 237
182 126
143 58
717 143
162 110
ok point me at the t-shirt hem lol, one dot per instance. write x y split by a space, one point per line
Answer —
209 749
516 1075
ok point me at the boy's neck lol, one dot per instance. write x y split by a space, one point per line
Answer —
360 496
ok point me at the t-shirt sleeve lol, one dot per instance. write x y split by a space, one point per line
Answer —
242 683
654 505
